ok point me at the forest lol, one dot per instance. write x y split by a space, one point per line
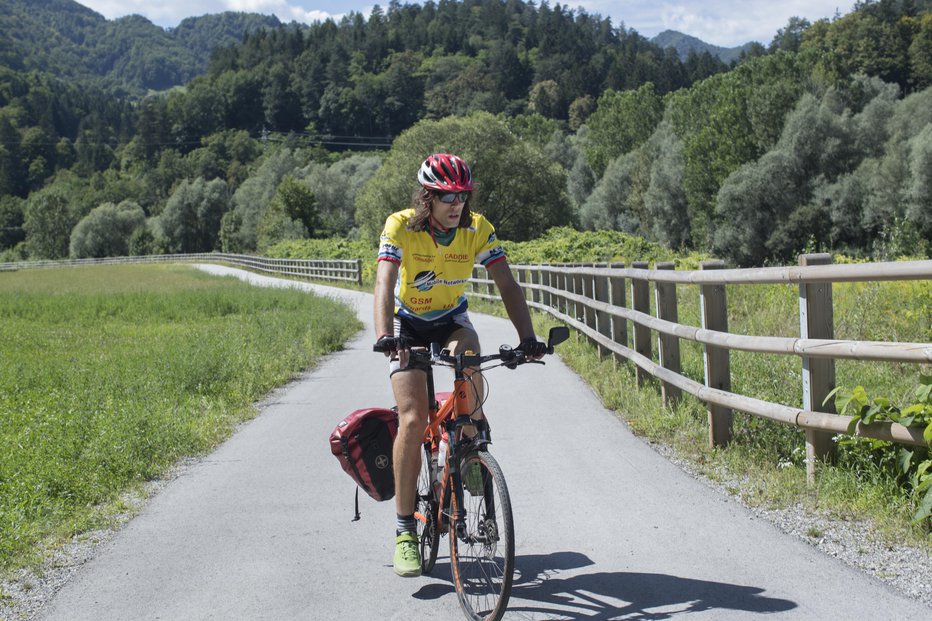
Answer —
819 141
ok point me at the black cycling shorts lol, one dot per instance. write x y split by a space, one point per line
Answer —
422 333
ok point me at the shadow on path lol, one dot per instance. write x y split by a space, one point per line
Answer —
539 590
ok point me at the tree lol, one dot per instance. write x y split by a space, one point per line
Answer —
47 221
199 112
517 188
546 99
580 179
11 221
106 231
919 208
616 203
292 214
532 127
712 120
12 172
191 219
751 200
790 36
665 199
240 225
580 110
621 123
336 187
920 54
860 43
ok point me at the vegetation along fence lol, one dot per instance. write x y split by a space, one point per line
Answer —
593 299
348 270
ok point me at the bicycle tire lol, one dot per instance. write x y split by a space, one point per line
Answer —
483 557
425 509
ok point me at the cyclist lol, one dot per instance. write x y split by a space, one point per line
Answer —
426 255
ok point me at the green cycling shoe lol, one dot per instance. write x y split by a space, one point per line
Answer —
407 556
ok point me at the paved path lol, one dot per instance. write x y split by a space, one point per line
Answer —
605 527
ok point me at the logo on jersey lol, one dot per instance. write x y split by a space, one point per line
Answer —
425 281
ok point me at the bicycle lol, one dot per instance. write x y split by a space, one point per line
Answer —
482 547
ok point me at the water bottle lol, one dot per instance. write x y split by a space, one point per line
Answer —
441 459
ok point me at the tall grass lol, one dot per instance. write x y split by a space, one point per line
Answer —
110 374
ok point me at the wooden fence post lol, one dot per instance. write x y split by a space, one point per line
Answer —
817 321
535 282
717 359
602 322
585 289
668 345
619 324
640 301
569 285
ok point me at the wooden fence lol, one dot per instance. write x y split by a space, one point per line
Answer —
346 270
595 301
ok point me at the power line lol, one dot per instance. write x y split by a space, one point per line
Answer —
323 139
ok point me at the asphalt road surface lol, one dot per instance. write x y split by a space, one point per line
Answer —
606 528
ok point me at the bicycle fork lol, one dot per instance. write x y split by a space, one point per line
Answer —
486 530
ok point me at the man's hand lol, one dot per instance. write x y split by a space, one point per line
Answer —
397 346
391 345
532 348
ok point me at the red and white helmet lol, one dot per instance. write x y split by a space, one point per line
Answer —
445 172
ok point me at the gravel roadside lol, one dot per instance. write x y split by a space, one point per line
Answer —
904 568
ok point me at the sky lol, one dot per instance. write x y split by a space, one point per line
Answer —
727 23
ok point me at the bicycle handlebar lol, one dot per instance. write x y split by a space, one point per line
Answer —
509 356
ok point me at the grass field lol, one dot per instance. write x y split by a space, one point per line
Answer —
110 374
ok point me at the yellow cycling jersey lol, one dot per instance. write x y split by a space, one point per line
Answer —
433 277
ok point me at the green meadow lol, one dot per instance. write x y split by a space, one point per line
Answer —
110 374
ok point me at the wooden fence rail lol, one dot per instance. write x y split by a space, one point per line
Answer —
346 270
594 300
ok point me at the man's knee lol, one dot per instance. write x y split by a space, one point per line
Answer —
464 340
411 420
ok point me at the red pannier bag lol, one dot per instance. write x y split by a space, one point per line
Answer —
362 442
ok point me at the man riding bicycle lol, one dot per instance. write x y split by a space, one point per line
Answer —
426 255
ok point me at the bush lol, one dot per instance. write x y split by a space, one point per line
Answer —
106 231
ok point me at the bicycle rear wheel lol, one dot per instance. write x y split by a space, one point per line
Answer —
483 553
425 514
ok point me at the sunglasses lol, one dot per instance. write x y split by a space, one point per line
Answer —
452 197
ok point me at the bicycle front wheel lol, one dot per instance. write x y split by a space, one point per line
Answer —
482 550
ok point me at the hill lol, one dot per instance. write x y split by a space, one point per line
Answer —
130 54
684 44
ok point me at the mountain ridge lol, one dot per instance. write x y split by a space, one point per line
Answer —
684 44
129 54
